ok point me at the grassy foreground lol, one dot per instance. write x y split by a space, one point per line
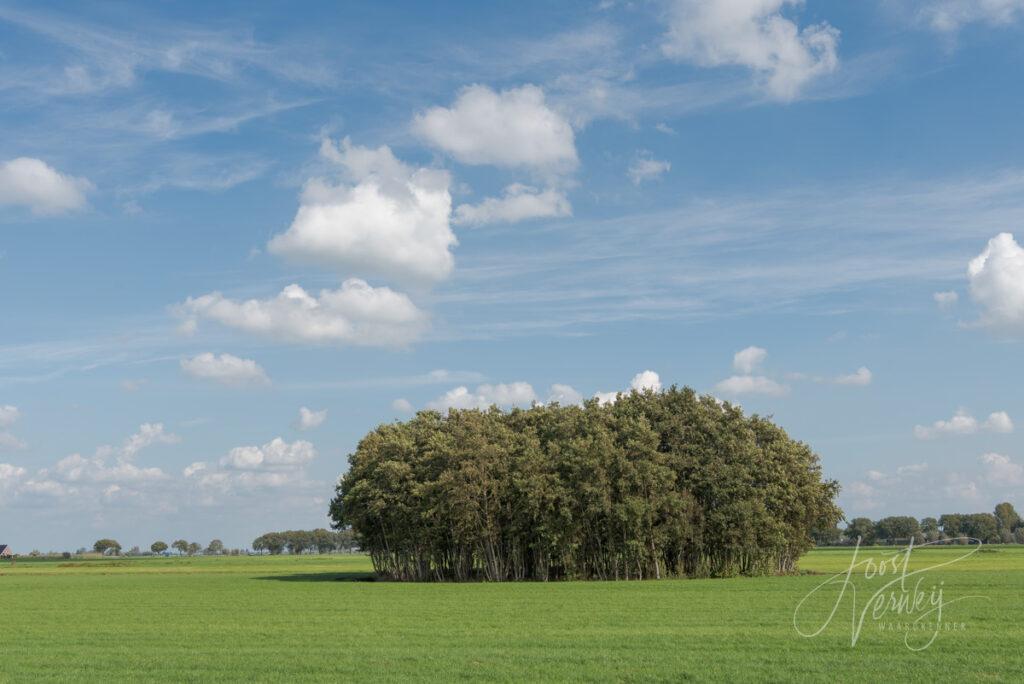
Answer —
311 618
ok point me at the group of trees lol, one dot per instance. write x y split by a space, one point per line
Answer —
655 484
1003 526
187 548
107 547
183 547
294 541
301 541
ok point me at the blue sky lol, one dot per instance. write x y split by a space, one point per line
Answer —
214 217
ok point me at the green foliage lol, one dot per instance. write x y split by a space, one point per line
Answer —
299 541
1002 527
860 528
828 536
158 547
951 524
180 545
930 529
654 485
106 546
983 526
215 547
273 542
1007 517
897 529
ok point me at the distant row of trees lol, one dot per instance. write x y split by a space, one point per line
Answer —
294 541
303 541
112 547
1002 526
655 484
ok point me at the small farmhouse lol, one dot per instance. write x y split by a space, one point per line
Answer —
5 551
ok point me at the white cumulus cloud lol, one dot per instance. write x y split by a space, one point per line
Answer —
862 376
751 384
646 380
403 406
357 313
225 369
963 423
997 283
998 422
148 434
99 468
748 360
34 184
513 128
565 395
274 465
80 480
1001 470
384 218
194 468
753 34
503 394
10 478
309 419
518 203
275 453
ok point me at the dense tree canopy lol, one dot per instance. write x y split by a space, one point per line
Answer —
653 485
930 529
861 528
897 527
106 546
1007 517
298 541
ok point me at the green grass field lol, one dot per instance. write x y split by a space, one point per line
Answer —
312 618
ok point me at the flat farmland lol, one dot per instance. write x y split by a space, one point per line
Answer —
322 618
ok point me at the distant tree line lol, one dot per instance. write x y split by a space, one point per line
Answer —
656 484
1002 526
303 541
112 547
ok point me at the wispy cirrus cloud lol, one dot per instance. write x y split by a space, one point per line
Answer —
98 58
949 16
783 250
